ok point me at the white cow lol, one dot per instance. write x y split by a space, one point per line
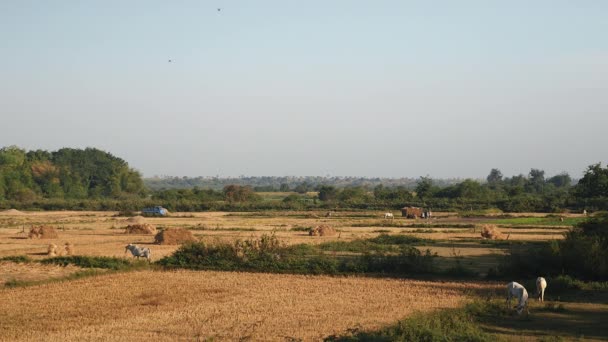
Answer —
541 285
139 251
389 215
518 291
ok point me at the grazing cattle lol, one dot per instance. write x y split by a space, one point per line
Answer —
389 215
541 285
139 251
518 291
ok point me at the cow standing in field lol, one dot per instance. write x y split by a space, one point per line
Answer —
389 216
139 251
541 285
516 290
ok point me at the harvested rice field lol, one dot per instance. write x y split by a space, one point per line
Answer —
188 305
103 233
42 301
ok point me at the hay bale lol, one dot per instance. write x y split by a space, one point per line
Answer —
174 236
12 212
490 231
69 249
43 232
144 228
322 230
52 250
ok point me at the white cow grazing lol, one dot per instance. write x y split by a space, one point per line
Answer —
139 251
541 285
389 215
518 291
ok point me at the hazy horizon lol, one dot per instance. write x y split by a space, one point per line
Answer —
276 88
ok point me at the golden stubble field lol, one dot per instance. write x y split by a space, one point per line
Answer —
102 233
188 305
224 306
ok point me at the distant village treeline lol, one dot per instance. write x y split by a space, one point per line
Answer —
283 184
91 179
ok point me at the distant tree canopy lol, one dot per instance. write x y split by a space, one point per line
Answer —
66 173
92 179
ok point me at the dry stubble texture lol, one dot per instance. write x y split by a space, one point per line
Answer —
185 305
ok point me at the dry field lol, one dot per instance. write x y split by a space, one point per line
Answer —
102 233
188 305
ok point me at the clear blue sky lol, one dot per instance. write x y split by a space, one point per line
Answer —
346 88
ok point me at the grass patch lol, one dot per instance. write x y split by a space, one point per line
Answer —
268 254
17 259
13 283
445 325
538 221
110 263
386 239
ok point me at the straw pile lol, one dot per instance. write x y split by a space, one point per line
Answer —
13 212
174 236
53 250
489 231
322 230
43 232
144 228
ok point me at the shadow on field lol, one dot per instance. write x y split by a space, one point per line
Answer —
576 320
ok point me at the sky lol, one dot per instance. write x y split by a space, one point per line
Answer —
446 89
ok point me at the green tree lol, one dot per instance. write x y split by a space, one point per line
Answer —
594 182
563 180
328 193
425 188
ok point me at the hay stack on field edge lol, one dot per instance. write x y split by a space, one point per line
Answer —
144 228
53 250
489 231
12 212
322 230
174 236
43 232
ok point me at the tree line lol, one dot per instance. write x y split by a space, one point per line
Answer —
92 179
68 173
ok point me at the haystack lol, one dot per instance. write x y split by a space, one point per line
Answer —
174 236
144 228
43 232
489 231
52 250
12 212
322 230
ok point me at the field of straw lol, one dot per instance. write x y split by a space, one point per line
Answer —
188 305
103 234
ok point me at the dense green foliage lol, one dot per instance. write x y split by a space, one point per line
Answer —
91 262
583 254
267 254
65 174
91 179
